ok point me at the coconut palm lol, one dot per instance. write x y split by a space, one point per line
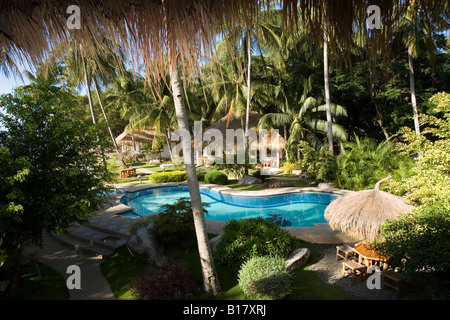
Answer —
307 123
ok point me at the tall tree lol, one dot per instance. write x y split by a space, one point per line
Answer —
50 166
211 283
327 90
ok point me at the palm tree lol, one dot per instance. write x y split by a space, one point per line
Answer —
82 68
306 123
417 29
211 283
327 91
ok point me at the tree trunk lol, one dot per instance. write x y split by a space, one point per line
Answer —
413 91
17 260
210 280
327 91
88 91
87 80
249 91
105 116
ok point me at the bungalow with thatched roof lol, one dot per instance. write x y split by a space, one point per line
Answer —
259 146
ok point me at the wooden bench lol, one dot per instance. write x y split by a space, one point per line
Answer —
392 279
125 173
344 252
354 268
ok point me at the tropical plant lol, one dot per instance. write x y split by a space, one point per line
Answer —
364 162
246 238
265 278
306 123
175 225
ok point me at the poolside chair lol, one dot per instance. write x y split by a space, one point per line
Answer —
345 252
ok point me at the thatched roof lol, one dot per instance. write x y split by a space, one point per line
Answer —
230 121
361 214
29 30
140 137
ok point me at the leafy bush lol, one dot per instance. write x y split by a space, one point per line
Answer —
288 167
246 238
169 282
265 278
175 224
429 179
318 164
419 244
201 174
216 177
172 176
419 240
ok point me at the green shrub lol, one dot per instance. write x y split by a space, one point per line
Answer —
175 224
288 167
201 174
265 278
216 177
253 237
172 176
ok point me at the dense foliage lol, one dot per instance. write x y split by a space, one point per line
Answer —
50 169
420 242
429 180
247 238
265 278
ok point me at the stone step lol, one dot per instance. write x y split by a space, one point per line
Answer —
92 240
81 246
93 236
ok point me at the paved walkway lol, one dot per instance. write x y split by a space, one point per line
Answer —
95 287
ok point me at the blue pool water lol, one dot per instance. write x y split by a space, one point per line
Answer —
301 209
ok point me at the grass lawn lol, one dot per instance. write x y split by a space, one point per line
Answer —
50 286
120 269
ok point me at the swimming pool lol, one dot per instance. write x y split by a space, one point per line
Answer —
298 209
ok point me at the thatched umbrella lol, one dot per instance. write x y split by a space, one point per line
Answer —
361 214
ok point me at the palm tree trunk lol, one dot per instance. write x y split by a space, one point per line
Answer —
327 91
88 91
210 280
87 80
104 115
413 91
249 91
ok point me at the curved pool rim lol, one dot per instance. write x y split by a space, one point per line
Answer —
224 191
